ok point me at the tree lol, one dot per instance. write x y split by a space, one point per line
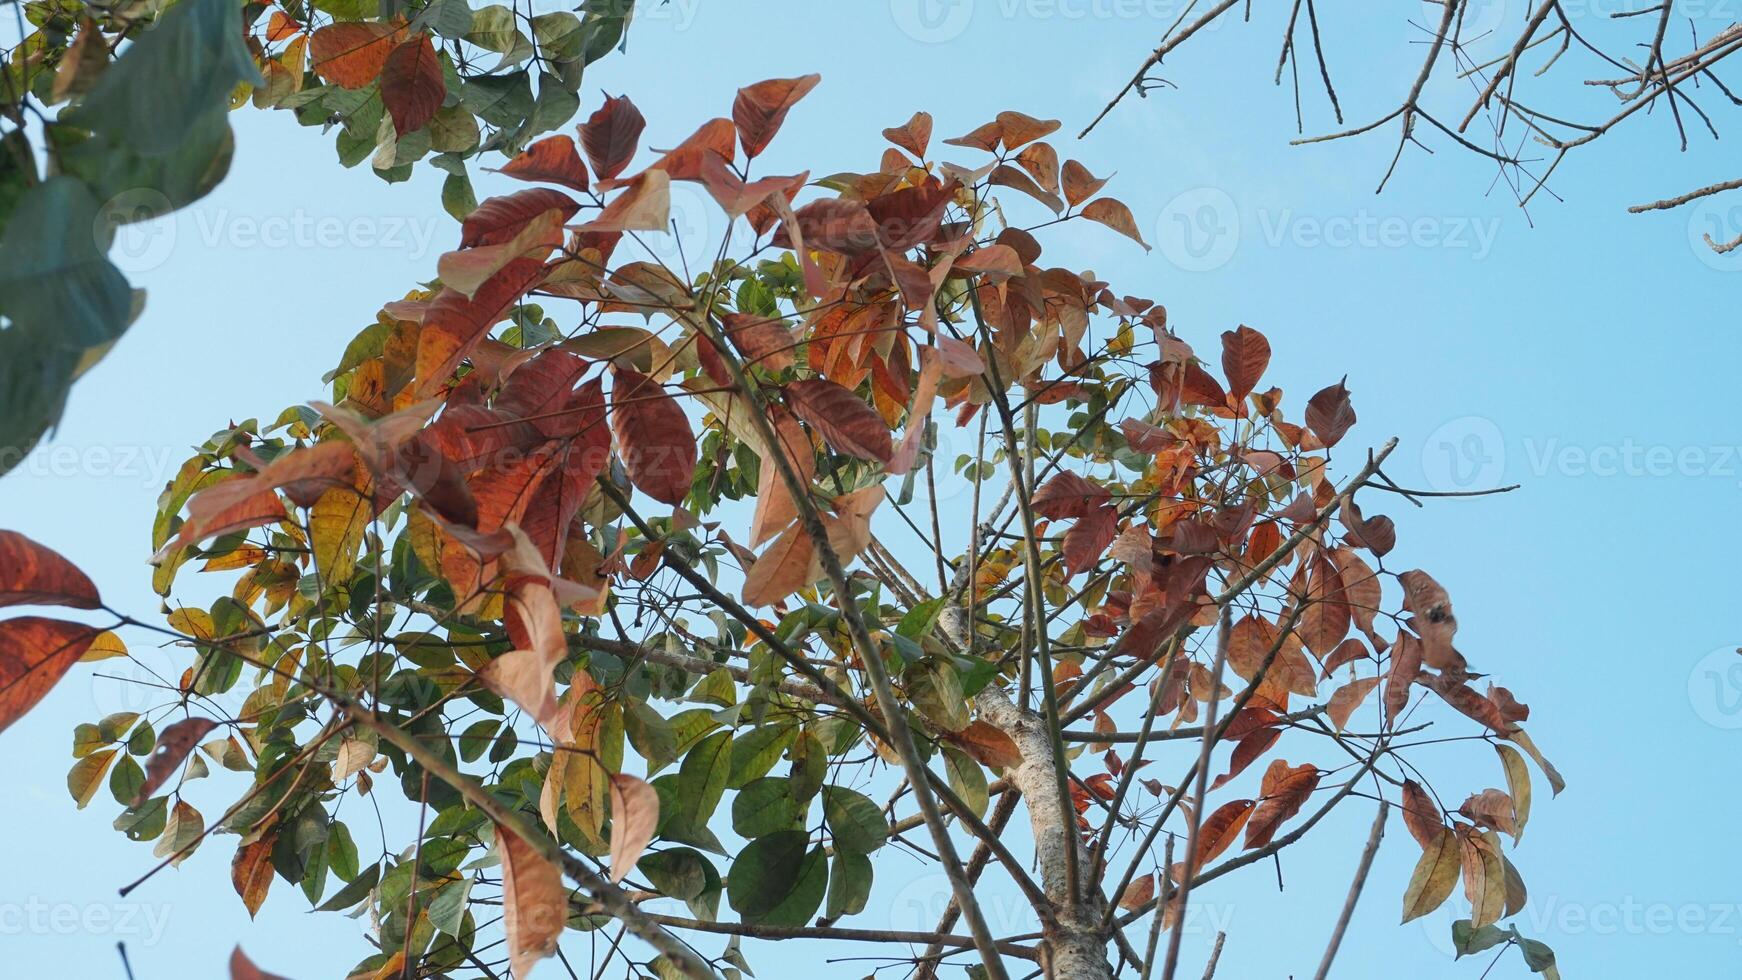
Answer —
563 582
144 131
1503 58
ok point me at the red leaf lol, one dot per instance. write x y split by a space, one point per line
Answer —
1285 791
454 324
1246 752
847 424
35 654
553 160
32 575
1218 831
412 86
499 219
761 108
654 437
351 54
610 134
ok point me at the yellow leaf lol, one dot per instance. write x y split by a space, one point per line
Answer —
106 646
1434 876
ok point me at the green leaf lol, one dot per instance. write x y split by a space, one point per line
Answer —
778 880
764 807
87 774
355 892
854 819
849 885
936 690
755 752
967 779
56 280
1469 941
185 66
447 910
701 780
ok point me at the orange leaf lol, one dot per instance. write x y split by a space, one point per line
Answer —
1079 184
761 108
32 575
534 902
35 654
988 744
634 814
251 874
552 159
351 54
1285 790
784 568
1347 698
913 135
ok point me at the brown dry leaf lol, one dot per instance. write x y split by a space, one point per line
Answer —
1115 215
761 108
1484 876
1137 894
988 744
913 136
1347 698
242 968
534 902
173 746
1492 808
1420 814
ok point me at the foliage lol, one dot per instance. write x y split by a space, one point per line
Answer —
146 89
586 564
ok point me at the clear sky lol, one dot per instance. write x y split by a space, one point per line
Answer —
1583 352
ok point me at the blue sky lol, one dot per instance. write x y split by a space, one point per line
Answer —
1580 352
